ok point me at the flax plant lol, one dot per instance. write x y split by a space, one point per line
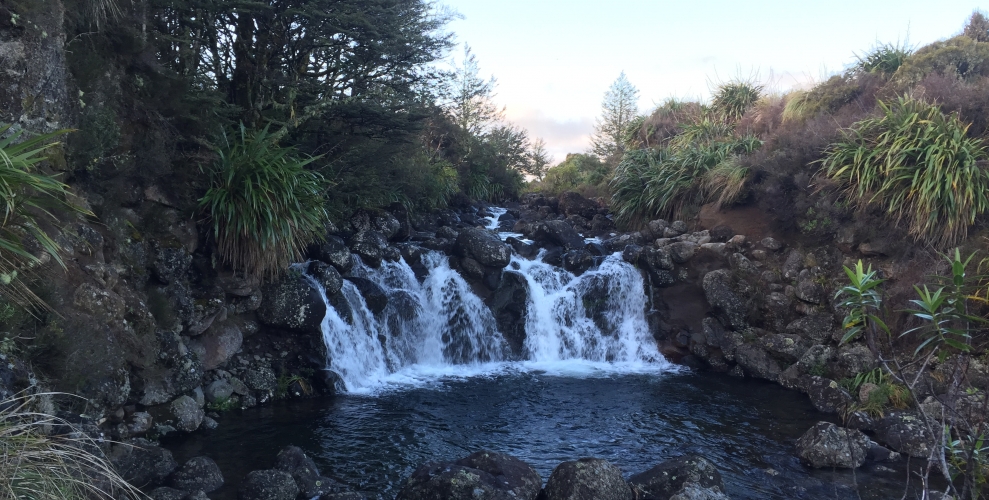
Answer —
733 98
38 464
265 206
916 163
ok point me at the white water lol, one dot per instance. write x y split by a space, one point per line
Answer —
591 325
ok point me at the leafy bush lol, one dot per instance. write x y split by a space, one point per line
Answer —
579 172
884 59
38 465
917 164
28 198
826 97
961 57
265 206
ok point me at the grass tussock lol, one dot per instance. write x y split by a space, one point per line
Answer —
264 205
919 165
37 464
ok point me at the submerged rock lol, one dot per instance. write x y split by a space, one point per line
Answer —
827 445
587 479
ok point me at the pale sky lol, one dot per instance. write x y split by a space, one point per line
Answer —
554 59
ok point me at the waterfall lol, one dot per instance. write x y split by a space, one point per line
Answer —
438 326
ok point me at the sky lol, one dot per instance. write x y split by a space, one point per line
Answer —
554 59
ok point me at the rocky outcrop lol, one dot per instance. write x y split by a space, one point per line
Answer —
906 433
198 473
826 445
483 246
587 479
510 306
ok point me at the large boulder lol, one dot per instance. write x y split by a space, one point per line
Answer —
369 246
268 485
678 476
198 473
825 394
481 475
375 297
757 362
303 469
484 246
827 445
215 347
326 275
292 303
587 479
184 413
719 291
572 203
334 251
141 462
557 233
510 305
905 432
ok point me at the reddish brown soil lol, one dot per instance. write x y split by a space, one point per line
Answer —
750 221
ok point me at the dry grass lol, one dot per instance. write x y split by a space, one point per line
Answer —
38 464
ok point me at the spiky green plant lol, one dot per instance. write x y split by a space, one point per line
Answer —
798 106
731 99
884 59
36 464
918 164
725 183
264 205
28 198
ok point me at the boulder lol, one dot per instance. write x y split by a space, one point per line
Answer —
184 413
510 305
326 275
810 292
557 233
215 347
141 462
218 391
166 493
827 445
757 362
577 261
572 203
854 359
335 252
772 244
484 246
369 245
169 261
816 327
905 432
587 479
481 475
657 259
727 305
259 378
294 461
268 485
292 303
682 251
694 492
825 394
674 476
375 297
198 473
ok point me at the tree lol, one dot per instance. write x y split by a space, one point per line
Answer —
469 97
538 159
618 111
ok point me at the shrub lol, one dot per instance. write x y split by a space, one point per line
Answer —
916 163
265 206
884 59
36 464
28 198
961 57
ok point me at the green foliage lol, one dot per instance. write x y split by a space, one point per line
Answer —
619 110
264 205
36 464
826 97
663 183
733 98
917 164
575 172
961 56
944 310
862 299
28 198
977 28
223 405
884 59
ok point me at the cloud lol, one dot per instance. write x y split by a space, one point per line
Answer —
561 136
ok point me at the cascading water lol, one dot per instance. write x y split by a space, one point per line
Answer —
440 327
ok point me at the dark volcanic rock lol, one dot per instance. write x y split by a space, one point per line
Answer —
557 233
484 246
375 296
587 479
826 395
198 473
572 203
335 252
482 475
292 303
293 460
578 261
827 445
142 463
268 485
905 432
673 476
510 304
369 246
326 275
727 305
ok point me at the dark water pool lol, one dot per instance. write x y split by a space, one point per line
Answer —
372 443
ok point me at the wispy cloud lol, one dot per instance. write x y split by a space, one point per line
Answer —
561 136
